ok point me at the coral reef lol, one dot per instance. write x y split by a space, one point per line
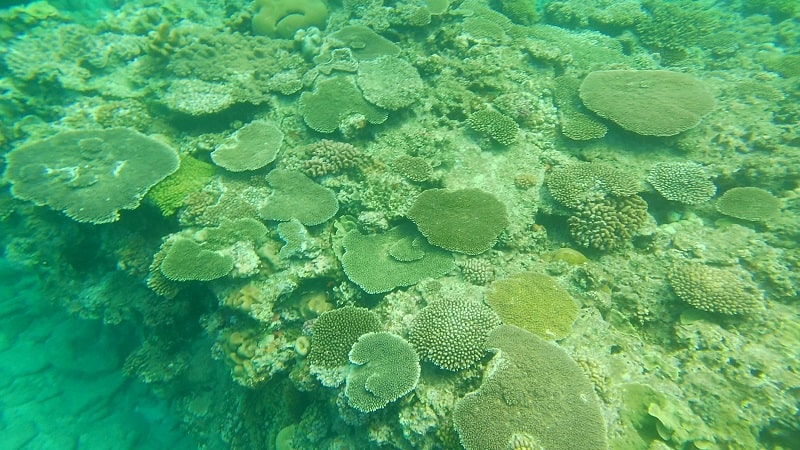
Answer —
295 196
716 290
683 182
251 147
608 223
749 203
497 126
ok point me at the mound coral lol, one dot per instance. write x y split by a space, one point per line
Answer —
282 18
332 101
573 184
465 220
251 147
533 302
452 332
712 289
333 335
90 175
684 182
384 367
295 196
399 257
532 392
647 102
607 223
749 203
497 126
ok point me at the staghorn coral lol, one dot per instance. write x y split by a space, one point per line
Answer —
90 175
684 182
465 220
383 368
452 332
533 302
749 203
607 223
533 391
716 290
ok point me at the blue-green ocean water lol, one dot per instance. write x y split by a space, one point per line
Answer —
205 206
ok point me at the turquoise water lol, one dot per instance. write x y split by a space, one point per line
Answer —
432 224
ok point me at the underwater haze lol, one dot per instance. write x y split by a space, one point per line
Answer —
400 224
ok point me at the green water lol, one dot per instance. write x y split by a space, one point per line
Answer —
410 224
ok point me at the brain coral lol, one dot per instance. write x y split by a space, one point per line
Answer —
90 175
332 101
295 196
452 332
532 391
749 203
251 147
282 18
384 367
399 257
647 102
684 182
716 290
333 335
533 302
497 126
575 183
389 82
465 220
607 223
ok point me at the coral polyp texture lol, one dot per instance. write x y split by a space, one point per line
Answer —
251 147
683 182
465 220
608 223
333 334
389 82
496 125
452 332
575 183
532 392
647 102
90 175
534 302
715 289
749 203
383 368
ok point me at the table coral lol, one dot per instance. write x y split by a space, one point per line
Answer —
466 220
333 101
498 126
608 223
749 203
684 182
295 196
713 289
282 18
90 175
251 147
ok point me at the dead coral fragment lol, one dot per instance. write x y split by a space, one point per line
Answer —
647 102
466 220
90 175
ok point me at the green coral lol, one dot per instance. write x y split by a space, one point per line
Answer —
465 220
647 102
452 332
413 168
187 260
607 223
295 196
713 289
576 123
295 238
674 27
534 302
389 82
522 12
333 335
496 125
384 367
684 182
251 147
749 203
282 18
532 388
90 175
399 257
171 192
574 184
333 101
364 43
